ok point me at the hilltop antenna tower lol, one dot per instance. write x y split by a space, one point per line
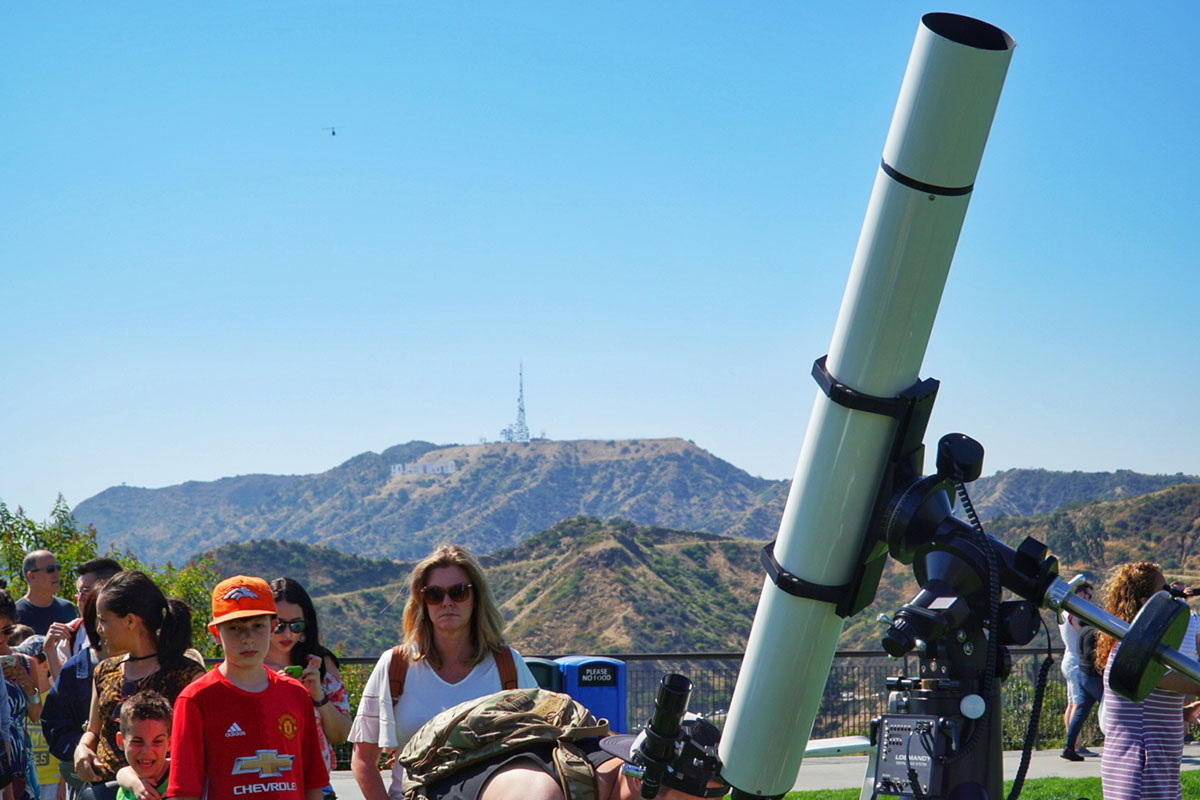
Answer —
518 431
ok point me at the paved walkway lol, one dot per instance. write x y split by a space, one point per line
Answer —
846 772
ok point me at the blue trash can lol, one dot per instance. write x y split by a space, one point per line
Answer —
546 672
598 683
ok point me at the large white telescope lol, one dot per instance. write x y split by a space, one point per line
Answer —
914 216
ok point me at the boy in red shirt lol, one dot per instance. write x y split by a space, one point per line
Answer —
242 730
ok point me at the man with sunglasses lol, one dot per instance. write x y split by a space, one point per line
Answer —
66 639
40 607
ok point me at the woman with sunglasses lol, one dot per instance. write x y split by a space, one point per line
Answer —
453 635
296 642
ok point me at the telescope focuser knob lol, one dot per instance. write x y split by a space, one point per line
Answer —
959 457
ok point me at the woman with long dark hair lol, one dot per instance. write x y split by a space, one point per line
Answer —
147 636
296 642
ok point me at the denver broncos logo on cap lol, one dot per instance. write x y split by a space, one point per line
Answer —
239 594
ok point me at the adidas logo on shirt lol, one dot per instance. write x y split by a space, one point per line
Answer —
234 730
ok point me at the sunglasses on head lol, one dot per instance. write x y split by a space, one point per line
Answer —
296 626
435 594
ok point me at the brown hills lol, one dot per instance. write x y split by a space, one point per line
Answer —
588 586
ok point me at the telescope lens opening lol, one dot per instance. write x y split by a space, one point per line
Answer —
968 31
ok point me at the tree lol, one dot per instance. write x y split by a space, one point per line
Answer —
1091 542
1061 538
71 543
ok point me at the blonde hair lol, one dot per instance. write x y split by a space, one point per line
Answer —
1126 590
487 625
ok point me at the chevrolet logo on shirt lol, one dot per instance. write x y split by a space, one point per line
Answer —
267 763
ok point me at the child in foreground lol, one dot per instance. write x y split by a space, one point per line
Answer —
243 730
145 736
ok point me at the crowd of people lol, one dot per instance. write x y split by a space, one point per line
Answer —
113 688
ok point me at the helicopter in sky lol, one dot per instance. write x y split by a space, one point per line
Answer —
332 130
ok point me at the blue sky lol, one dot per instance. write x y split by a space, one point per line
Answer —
653 205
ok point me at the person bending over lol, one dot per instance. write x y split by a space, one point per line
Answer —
594 767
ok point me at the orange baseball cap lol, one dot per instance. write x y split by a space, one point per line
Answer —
240 596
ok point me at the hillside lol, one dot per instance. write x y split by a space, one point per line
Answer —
398 503
1027 492
1163 527
586 586
321 570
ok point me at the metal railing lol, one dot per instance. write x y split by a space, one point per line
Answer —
854 694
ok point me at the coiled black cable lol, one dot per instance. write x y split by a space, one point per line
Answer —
993 628
1039 691
993 652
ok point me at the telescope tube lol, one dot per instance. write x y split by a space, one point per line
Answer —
914 216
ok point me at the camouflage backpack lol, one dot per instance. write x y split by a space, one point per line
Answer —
505 722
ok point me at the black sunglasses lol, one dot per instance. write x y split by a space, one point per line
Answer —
435 594
53 568
296 625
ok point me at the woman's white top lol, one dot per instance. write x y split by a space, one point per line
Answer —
425 695
1070 637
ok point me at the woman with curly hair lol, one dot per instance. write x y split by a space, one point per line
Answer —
1143 741
452 651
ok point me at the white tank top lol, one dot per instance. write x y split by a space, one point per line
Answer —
1070 637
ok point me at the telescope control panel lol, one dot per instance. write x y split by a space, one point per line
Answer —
911 747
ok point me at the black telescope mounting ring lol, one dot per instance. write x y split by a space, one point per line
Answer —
855 400
921 186
797 586
911 411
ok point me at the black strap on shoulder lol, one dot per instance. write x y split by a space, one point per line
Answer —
797 586
843 395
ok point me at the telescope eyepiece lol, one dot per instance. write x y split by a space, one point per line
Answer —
660 746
